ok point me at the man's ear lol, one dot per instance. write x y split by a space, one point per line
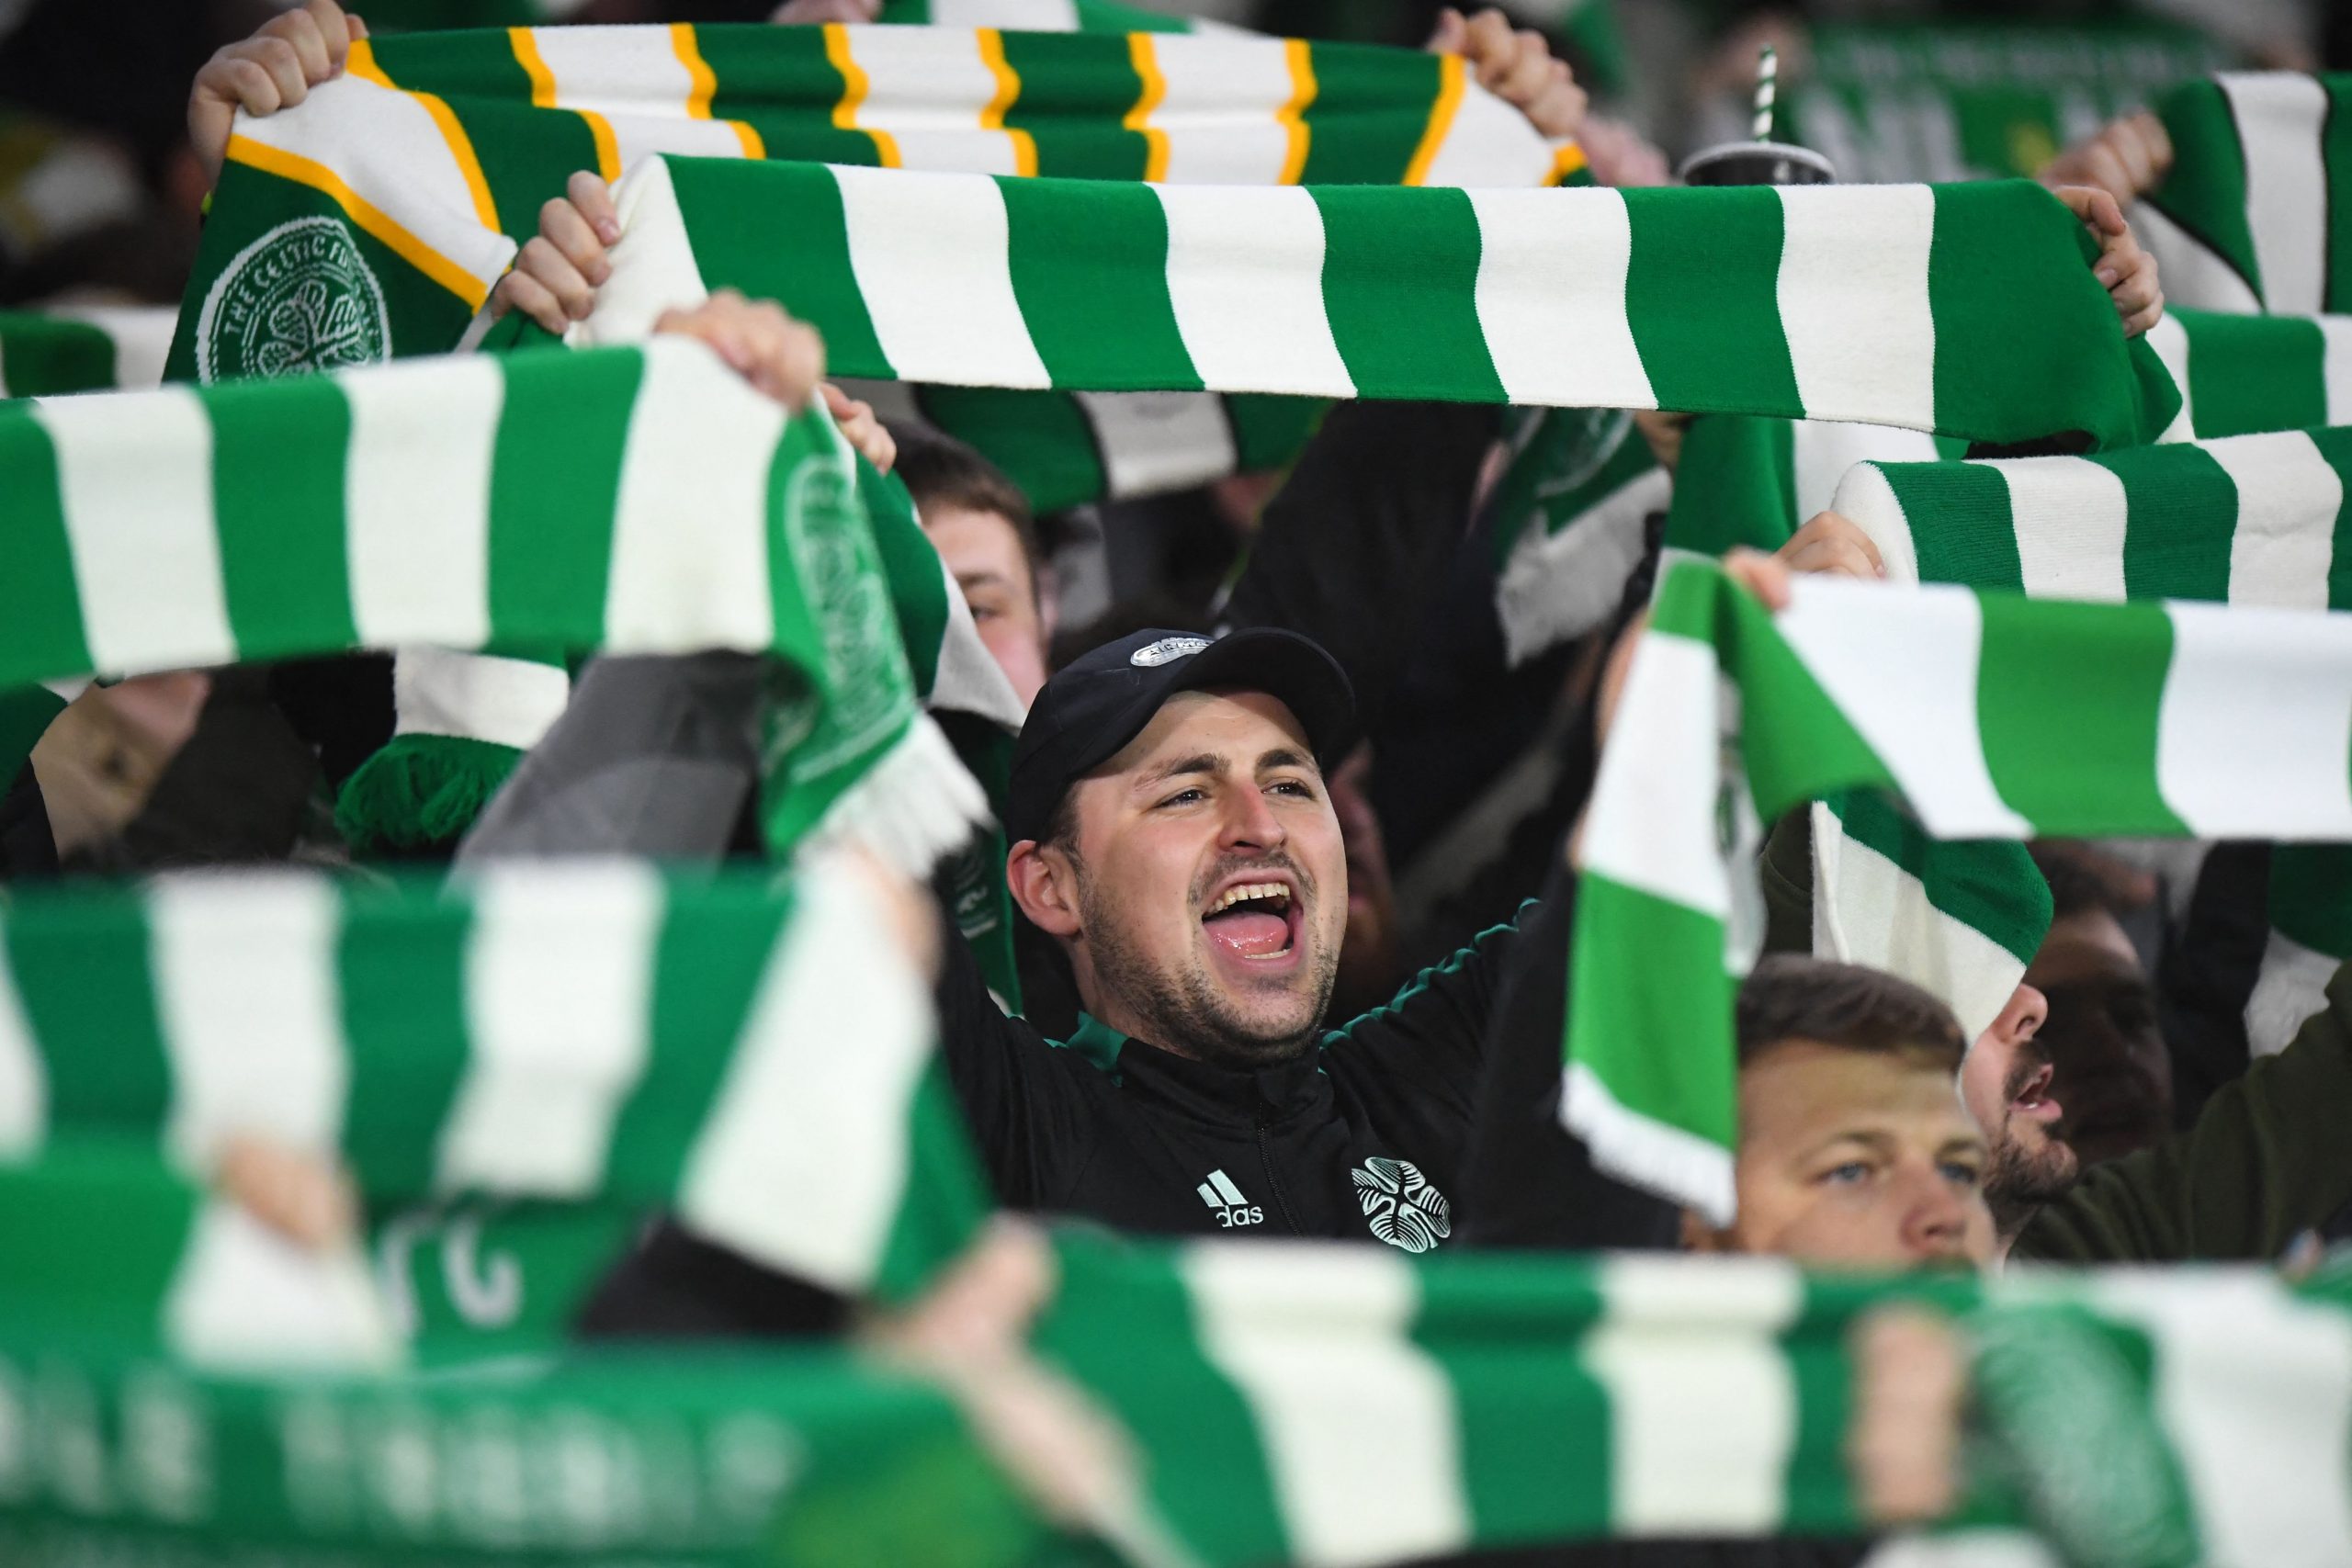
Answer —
1045 887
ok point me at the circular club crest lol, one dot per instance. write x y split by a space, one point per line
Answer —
298 299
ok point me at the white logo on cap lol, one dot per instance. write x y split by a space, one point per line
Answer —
1166 648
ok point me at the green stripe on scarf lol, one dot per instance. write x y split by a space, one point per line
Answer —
82 349
590 1043
452 185
1297 1405
1305 291
2168 743
401 534
2257 520
1974 99
2255 213
2242 374
1231 1394
1960 920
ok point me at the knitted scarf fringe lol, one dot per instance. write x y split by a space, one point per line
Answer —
420 790
915 803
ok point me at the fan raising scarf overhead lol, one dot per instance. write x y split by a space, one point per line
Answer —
371 221
1991 715
631 500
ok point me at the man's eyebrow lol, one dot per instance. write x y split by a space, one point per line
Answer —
1199 762
1284 757
1966 1144
970 579
1870 1138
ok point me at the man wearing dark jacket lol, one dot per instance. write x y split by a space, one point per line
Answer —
1172 832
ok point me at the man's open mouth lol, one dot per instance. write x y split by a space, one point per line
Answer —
2033 1101
1256 921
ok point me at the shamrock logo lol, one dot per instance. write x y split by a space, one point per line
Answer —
1402 1207
313 329
299 297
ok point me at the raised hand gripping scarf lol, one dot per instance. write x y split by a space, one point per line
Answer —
393 208
1993 717
634 501
1814 301
1512 1401
2256 212
566 1048
371 221
1964 920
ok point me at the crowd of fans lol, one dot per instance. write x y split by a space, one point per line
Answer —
1296 860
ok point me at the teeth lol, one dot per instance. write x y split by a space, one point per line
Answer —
1248 891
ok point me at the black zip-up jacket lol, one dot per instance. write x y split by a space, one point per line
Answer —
1362 1138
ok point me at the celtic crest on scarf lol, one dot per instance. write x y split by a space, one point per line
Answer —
868 692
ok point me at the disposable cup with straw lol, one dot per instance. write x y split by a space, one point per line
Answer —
1761 161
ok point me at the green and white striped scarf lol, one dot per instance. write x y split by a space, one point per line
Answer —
2240 375
1070 449
1754 481
421 191
564 1047
1567 520
370 222
1045 16
688 1456
1808 301
2250 520
630 500
2255 214
1591 25
1960 920
1280 1403
42 354
82 348
1964 920
1902 101
1328 1405
1991 715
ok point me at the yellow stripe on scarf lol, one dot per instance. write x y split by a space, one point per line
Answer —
543 95
362 64
855 87
1008 93
1441 113
367 215
705 86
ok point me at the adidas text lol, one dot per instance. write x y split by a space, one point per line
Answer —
1233 1210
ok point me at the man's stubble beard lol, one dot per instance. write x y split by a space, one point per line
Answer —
1184 1010
2019 1179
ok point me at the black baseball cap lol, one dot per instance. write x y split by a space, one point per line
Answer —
1103 699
